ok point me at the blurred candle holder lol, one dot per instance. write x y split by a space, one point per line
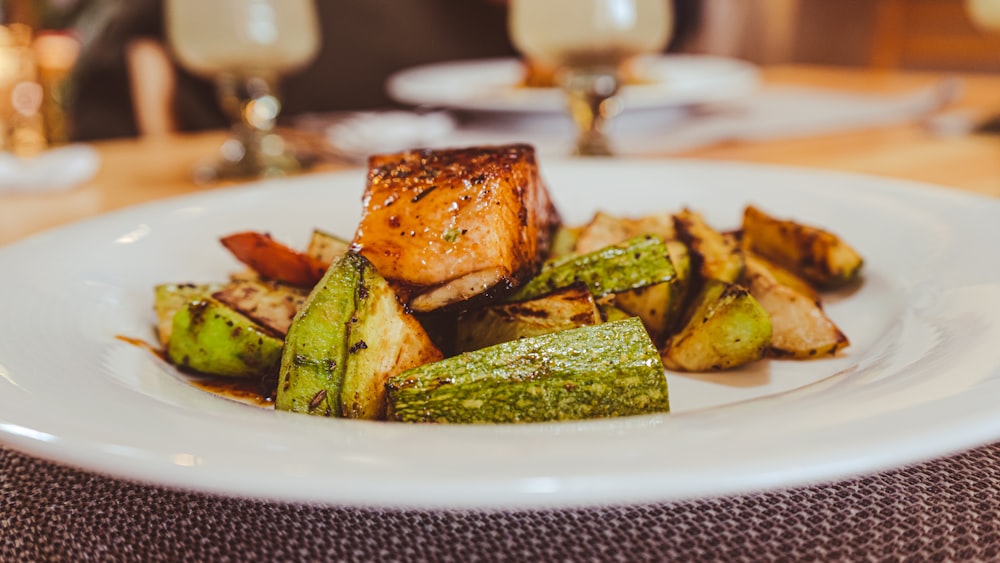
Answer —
22 129
56 54
34 72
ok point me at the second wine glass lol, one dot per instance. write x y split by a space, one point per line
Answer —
588 42
245 47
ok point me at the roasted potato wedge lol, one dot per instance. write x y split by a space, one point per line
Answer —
605 229
784 276
800 328
270 304
819 256
714 255
349 337
563 309
324 247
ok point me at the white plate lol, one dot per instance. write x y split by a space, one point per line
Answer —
494 84
920 379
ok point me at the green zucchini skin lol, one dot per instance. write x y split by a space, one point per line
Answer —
726 328
171 297
635 263
348 338
210 338
315 356
384 340
606 370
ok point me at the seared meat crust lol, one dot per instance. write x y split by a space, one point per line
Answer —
448 225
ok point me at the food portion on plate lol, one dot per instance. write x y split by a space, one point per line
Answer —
462 297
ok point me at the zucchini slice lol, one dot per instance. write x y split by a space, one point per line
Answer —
168 298
211 338
726 328
637 262
604 370
348 338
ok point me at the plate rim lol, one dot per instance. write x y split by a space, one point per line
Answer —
920 450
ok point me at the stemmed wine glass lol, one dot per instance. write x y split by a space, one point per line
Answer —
588 42
245 46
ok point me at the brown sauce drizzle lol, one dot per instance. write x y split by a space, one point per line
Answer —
140 343
251 391
243 390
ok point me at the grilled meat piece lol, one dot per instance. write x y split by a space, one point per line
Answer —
448 225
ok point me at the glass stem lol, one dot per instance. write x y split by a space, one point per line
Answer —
253 148
593 103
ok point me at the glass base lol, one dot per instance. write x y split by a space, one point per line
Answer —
593 145
592 100
247 155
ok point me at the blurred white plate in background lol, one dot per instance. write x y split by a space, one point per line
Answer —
495 84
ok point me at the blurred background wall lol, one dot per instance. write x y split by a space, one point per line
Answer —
908 34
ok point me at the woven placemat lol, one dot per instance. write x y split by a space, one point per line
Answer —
944 510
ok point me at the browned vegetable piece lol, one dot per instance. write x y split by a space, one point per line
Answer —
655 305
800 328
660 305
566 308
610 312
714 255
605 229
820 256
563 242
170 297
270 304
784 276
726 328
274 260
349 337
324 247
448 225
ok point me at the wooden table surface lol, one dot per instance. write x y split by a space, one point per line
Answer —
138 170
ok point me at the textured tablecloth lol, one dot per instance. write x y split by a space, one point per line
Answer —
944 510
